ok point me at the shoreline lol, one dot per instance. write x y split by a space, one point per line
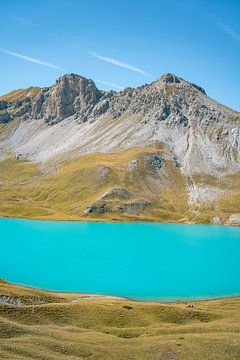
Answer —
96 296
110 221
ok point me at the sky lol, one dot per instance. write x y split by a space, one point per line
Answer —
122 43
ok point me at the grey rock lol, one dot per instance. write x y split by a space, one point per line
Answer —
70 94
216 220
199 88
233 219
133 165
96 208
176 161
5 117
155 163
135 207
170 79
3 105
10 300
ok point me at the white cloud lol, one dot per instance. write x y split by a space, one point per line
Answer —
33 60
118 63
109 83
230 32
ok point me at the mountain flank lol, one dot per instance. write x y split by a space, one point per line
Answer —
164 151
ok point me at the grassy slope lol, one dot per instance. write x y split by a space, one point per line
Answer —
20 94
66 192
25 191
68 326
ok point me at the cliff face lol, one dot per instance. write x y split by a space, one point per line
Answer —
199 137
70 95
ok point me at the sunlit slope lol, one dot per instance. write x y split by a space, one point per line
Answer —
133 184
72 326
124 183
19 94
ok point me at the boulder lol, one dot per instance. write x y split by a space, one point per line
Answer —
96 208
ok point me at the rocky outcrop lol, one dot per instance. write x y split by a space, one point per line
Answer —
96 208
155 163
13 107
5 116
71 95
10 300
233 219
135 207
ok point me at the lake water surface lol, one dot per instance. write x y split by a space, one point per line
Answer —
145 261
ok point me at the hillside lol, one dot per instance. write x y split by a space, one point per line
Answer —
164 151
20 94
41 325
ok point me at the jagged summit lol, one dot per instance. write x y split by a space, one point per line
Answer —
169 78
71 94
75 95
172 79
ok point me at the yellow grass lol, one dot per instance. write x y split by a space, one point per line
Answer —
69 326
68 189
66 192
20 94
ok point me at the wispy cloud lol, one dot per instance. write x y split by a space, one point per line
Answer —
75 45
230 32
118 63
33 60
23 21
109 83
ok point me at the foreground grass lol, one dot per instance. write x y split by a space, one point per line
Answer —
73 326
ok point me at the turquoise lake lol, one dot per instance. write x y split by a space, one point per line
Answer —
145 261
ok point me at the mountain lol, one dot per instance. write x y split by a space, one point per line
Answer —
164 151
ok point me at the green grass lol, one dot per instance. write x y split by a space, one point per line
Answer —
69 326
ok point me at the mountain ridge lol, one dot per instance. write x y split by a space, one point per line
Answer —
177 131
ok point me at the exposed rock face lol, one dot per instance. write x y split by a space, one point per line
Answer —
170 79
199 135
4 117
155 163
233 219
96 208
71 95
135 207
10 300
17 104
216 220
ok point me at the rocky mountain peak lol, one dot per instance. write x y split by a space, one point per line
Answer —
68 96
170 99
169 78
75 86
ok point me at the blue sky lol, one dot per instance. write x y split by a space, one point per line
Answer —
122 43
